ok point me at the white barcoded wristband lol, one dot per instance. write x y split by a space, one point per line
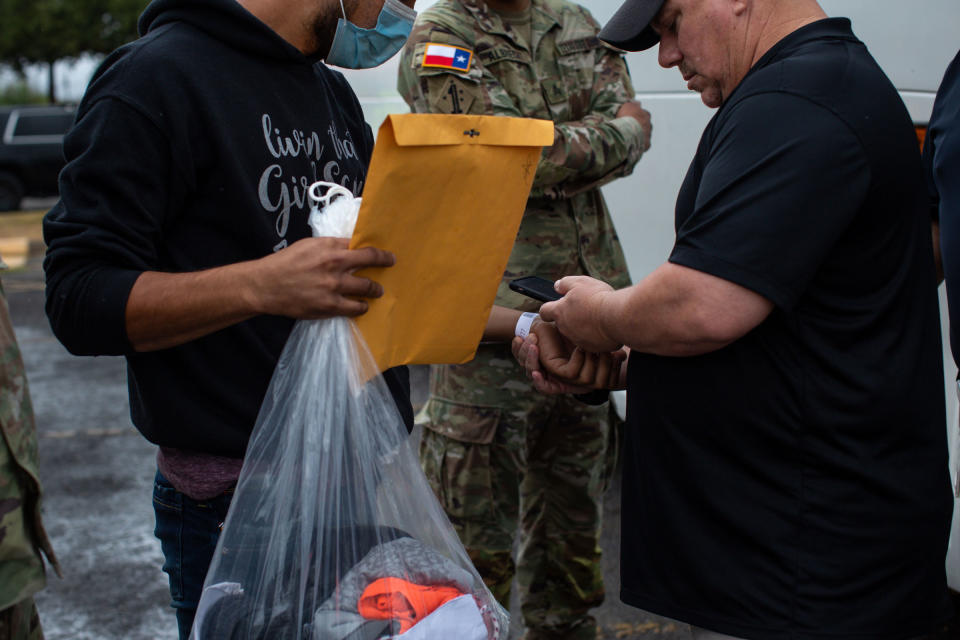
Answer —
523 324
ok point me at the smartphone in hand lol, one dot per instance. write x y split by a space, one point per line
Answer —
535 287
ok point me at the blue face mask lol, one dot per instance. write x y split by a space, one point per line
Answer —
357 48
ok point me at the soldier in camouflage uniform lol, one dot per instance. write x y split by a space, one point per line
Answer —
496 452
22 537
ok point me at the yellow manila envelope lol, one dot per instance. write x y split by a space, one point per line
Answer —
445 194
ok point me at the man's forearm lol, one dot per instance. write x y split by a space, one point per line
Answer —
168 309
677 311
312 278
651 321
586 155
501 324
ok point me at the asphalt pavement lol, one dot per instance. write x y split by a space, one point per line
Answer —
97 473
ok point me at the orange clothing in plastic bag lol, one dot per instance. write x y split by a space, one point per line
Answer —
393 598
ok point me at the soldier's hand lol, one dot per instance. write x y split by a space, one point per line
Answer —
527 352
556 366
632 109
313 278
563 361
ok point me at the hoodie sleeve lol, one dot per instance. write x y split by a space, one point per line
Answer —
116 191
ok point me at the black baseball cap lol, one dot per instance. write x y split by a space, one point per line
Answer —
629 28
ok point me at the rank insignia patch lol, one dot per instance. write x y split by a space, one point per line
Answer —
447 56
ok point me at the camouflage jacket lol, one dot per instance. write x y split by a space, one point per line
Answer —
22 537
565 75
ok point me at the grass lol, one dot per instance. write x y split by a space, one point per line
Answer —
15 224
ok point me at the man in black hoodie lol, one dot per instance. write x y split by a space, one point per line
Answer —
181 240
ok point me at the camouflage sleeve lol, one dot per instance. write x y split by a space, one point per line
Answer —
585 154
600 147
22 536
443 90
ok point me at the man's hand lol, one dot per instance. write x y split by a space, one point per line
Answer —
556 366
579 313
313 278
633 110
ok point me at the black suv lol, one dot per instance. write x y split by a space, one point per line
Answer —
31 151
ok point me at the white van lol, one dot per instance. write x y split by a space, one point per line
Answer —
912 41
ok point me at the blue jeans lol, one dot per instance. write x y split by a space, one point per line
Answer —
188 531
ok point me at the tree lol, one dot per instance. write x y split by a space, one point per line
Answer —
45 31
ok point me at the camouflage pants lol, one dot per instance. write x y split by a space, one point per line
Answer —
540 464
21 622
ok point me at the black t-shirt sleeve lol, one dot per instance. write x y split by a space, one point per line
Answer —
784 179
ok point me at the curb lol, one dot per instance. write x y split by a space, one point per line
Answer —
16 251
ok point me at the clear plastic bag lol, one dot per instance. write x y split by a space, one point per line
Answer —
333 532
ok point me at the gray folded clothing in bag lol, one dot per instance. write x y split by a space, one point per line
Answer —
404 558
330 624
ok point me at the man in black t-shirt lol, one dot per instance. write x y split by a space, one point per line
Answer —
785 473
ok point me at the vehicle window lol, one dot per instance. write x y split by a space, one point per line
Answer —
42 125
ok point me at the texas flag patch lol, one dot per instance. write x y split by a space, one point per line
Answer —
447 56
